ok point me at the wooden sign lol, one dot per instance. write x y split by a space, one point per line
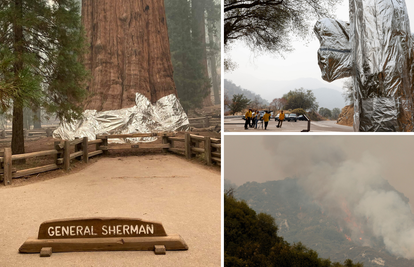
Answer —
96 228
101 234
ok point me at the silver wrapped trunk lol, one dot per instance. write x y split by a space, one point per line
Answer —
380 60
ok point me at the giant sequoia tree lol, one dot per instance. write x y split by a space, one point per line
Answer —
41 46
129 52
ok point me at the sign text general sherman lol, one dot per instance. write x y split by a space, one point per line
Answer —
99 227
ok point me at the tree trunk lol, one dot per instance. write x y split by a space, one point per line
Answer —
129 52
37 122
213 67
198 8
17 143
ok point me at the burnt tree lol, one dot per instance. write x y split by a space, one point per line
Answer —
129 52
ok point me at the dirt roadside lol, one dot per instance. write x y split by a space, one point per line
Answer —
184 196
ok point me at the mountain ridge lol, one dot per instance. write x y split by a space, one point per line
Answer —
299 218
327 96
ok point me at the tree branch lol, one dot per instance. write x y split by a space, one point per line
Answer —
252 4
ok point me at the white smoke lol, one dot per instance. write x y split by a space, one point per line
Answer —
352 190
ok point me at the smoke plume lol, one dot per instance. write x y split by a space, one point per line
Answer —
352 190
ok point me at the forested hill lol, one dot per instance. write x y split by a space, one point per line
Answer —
231 89
300 218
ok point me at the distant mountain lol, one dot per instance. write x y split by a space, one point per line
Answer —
232 89
327 95
299 218
329 98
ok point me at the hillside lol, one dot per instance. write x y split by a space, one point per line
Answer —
299 218
327 95
232 89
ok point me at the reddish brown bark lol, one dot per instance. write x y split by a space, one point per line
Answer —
129 52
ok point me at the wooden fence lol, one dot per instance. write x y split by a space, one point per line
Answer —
204 122
7 134
195 144
65 151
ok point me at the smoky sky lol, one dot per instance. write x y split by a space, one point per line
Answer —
253 158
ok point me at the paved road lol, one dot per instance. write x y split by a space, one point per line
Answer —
236 124
184 196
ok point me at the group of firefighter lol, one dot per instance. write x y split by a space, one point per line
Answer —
252 117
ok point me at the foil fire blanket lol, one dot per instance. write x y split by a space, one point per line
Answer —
376 49
165 115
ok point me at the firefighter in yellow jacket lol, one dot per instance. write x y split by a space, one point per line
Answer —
281 118
266 118
248 117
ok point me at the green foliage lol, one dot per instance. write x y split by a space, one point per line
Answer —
186 53
238 103
335 113
248 237
300 98
325 112
299 111
251 239
314 116
42 67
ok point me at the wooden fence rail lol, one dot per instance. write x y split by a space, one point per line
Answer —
29 133
204 122
211 148
65 151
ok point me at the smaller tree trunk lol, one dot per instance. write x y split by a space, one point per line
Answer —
17 143
37 121
17 127
198 8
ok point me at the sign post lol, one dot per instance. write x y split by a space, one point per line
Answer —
101 234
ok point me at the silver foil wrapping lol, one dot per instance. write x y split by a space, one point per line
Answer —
165 115
381 64
334 55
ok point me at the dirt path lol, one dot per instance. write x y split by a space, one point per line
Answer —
182 195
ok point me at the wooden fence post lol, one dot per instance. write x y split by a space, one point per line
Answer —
187 144
58 147
78 147
207 149
8 175
105 143
66 156
85 149
165 141
97 145
207 122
